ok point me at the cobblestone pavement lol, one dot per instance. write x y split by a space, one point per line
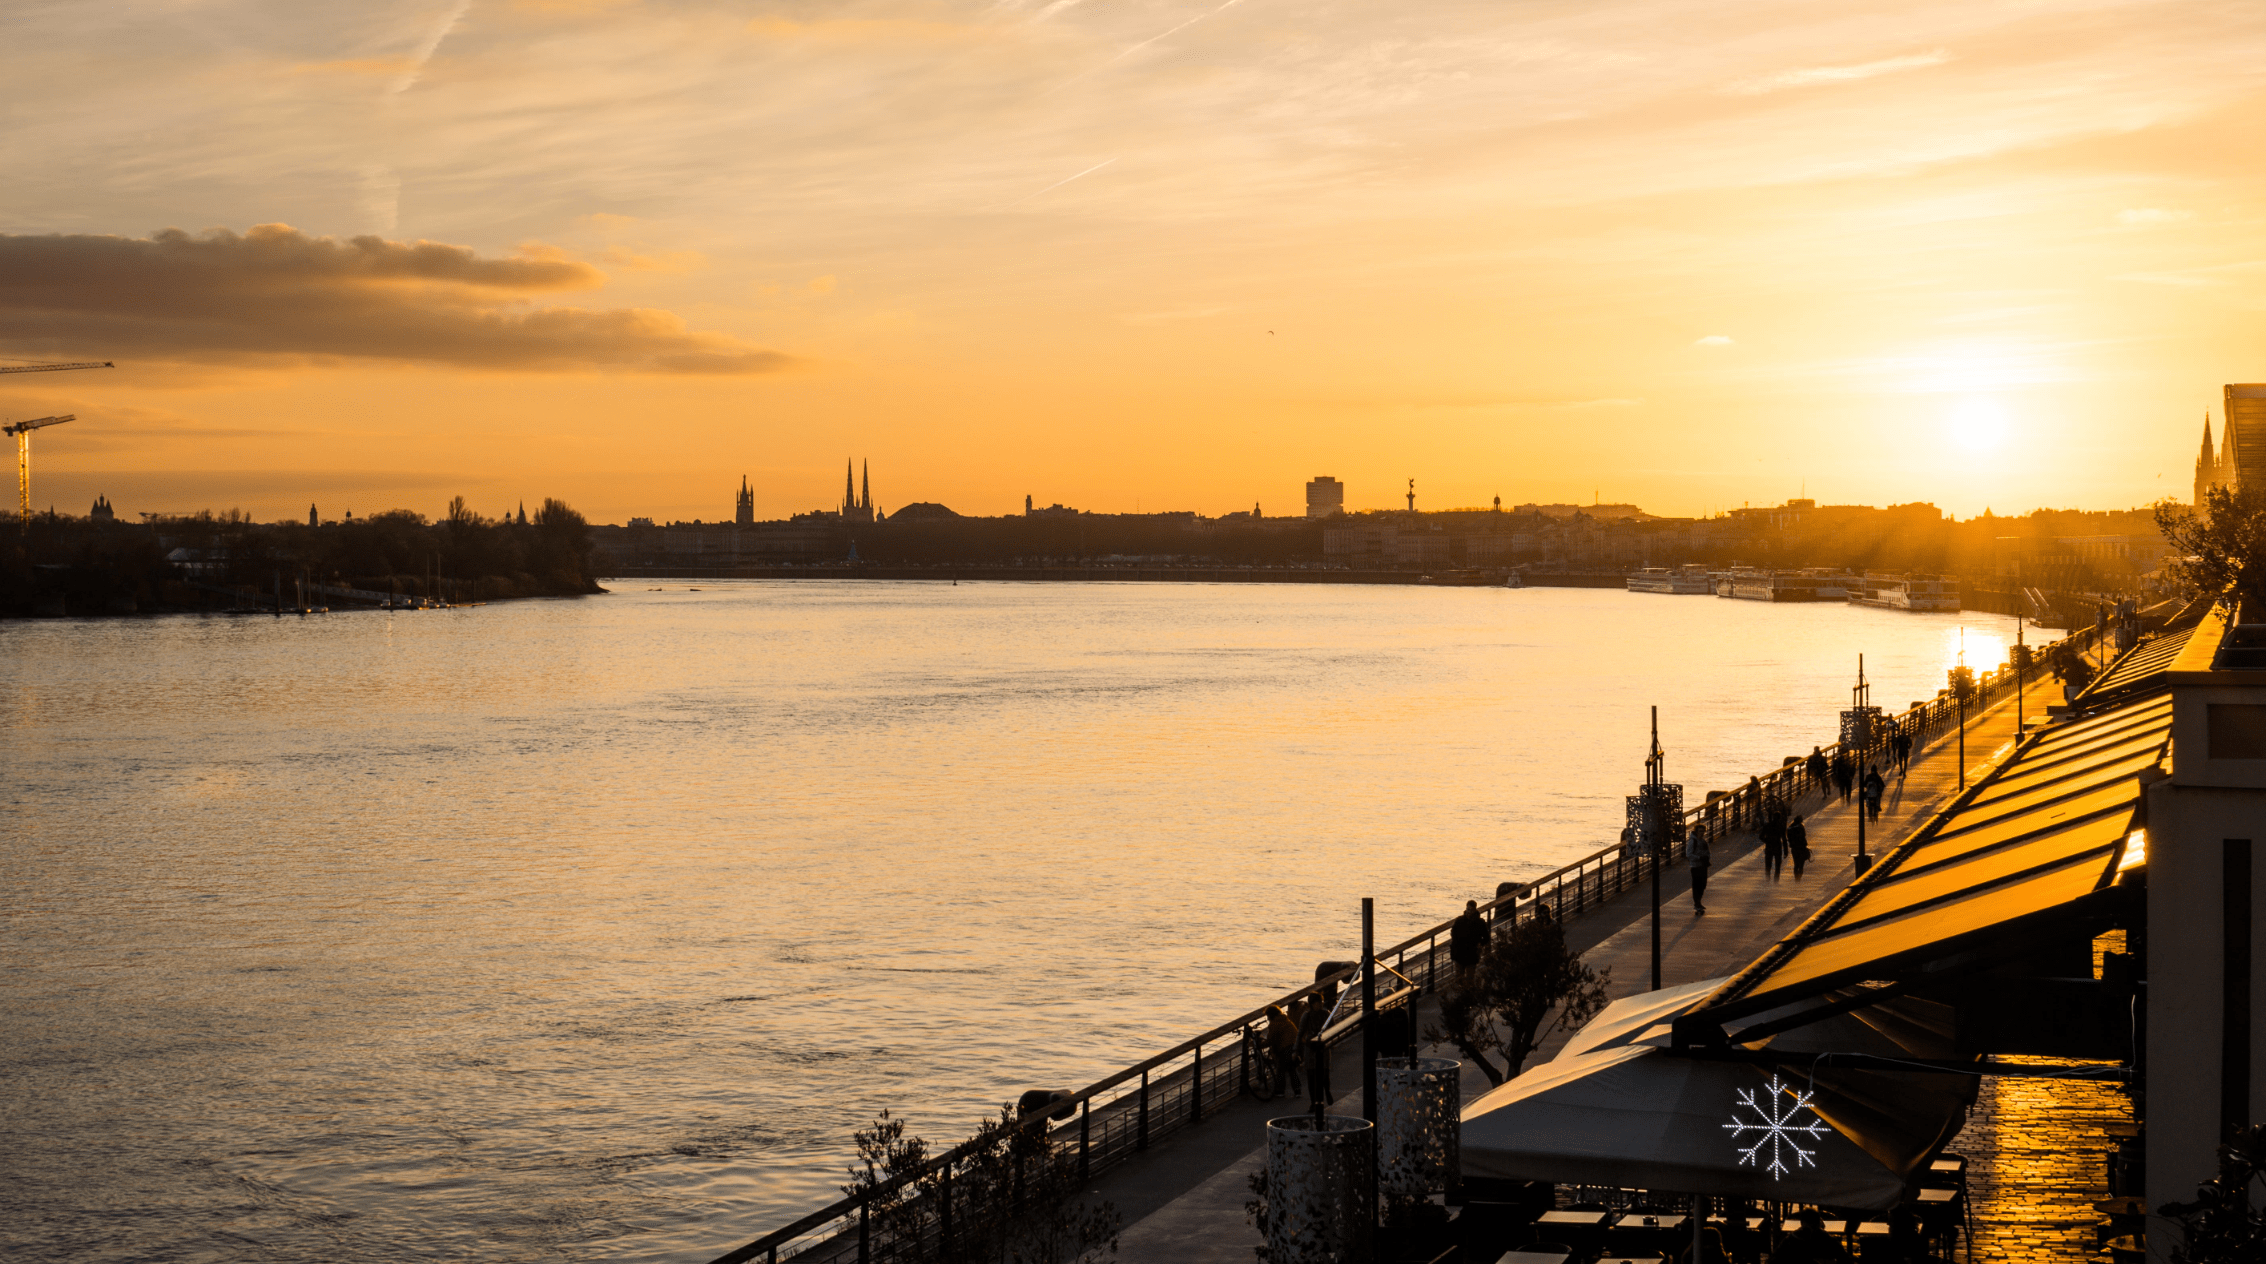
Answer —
2036 1162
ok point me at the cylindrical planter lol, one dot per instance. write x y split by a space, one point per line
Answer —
1318 1190
1419 1128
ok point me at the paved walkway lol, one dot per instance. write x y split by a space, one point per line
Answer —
1183 1203
2037 1159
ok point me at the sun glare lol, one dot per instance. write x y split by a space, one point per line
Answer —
1977 423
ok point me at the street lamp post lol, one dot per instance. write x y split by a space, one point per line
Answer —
1959 695
1858 698
1654 837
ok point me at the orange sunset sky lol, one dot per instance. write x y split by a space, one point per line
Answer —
1129 253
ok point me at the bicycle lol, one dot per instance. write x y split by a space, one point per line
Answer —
1259 1075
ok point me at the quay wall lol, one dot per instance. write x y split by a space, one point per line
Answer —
1127 1112
1111 574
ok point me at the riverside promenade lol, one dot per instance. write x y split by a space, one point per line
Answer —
1182 1201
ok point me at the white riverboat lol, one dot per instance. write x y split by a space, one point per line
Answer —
1907 592
1681 581
1832 585
1751 583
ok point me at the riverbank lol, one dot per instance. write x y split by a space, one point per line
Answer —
1183 1202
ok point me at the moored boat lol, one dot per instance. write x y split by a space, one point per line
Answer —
1682 581
1907 592
1751 583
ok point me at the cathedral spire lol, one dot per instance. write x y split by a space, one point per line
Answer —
865 496
849 487
2215 468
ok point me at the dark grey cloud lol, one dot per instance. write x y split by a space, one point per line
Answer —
275 293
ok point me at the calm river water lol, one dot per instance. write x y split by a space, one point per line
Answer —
589 929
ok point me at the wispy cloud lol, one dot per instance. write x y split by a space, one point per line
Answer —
426 47
2191 278
1057 184
1812 76
1175 30
1713 340
2152 215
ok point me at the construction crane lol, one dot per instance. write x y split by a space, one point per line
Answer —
22 430
53 368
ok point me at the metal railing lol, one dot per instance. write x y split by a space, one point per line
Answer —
1125 1113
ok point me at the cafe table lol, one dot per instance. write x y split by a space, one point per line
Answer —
1577 1219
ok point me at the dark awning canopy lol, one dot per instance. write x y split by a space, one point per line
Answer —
2033 851
1617 1108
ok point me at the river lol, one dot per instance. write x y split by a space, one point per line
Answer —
588 929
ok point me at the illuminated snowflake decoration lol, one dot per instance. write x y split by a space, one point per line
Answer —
1775 1129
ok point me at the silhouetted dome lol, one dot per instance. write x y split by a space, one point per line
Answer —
922 509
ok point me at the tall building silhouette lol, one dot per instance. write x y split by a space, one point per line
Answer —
1325 497
854 507
2243 457
743 512
2213 469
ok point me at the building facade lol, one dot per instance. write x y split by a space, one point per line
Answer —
2245 455
1325 497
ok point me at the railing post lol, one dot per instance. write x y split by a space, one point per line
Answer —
944 1209
865 1236
1085 1113
1196 1083
1141 1134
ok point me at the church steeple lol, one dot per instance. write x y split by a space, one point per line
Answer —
865 494
2213 468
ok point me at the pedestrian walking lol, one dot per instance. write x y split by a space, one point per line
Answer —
1467 938
1817 768
1797 844
1875 787
1773 847
1902 745
1695 855
1282 1042
1844 775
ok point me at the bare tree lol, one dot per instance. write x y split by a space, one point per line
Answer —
1527 984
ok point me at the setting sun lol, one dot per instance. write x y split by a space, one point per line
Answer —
1977 423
